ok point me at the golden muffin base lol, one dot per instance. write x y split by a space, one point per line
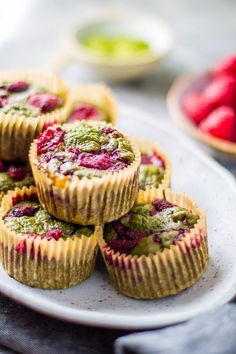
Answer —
164 273
46 264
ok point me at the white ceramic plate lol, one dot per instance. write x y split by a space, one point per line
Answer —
95 302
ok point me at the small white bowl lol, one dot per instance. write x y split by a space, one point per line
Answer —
146 27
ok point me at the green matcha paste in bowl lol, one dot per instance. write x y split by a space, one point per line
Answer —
117 47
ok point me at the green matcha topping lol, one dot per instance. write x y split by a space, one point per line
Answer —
7 183
150 176
84 137
25 99
83 150
29 217
149 228
152 171
21 109
116 47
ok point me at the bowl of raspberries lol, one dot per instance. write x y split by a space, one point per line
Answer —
205 105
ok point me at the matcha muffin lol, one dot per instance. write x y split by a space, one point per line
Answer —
158 248
14 174
30 101
39 250
92 102
155 169
86 173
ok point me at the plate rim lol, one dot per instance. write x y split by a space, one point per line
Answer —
130 322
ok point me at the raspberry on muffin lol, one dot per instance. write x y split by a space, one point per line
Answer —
92 102
14 174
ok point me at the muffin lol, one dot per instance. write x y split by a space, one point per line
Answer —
40 250
30 101
158 248
14 174
92 102
155 169
86 173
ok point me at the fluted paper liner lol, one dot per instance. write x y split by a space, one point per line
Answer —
1 196
164 273
147 147
88 201
99 95
47 264
17 132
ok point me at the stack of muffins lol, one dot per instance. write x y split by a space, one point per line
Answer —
95 188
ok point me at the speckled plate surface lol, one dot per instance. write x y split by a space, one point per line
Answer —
95 302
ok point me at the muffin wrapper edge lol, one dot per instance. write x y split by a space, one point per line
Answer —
43 263
98 94
165 273
148 146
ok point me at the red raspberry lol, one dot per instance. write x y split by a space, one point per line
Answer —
28 210
111 131
1 166
157 239
73 150
162 204
3 101
45 101
135 235
120 228
53 234
153 159
107 130
220 123
221 91
17 173
118 165
99 162
196 107
18 86
83 111
49 139
123 246
225 66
